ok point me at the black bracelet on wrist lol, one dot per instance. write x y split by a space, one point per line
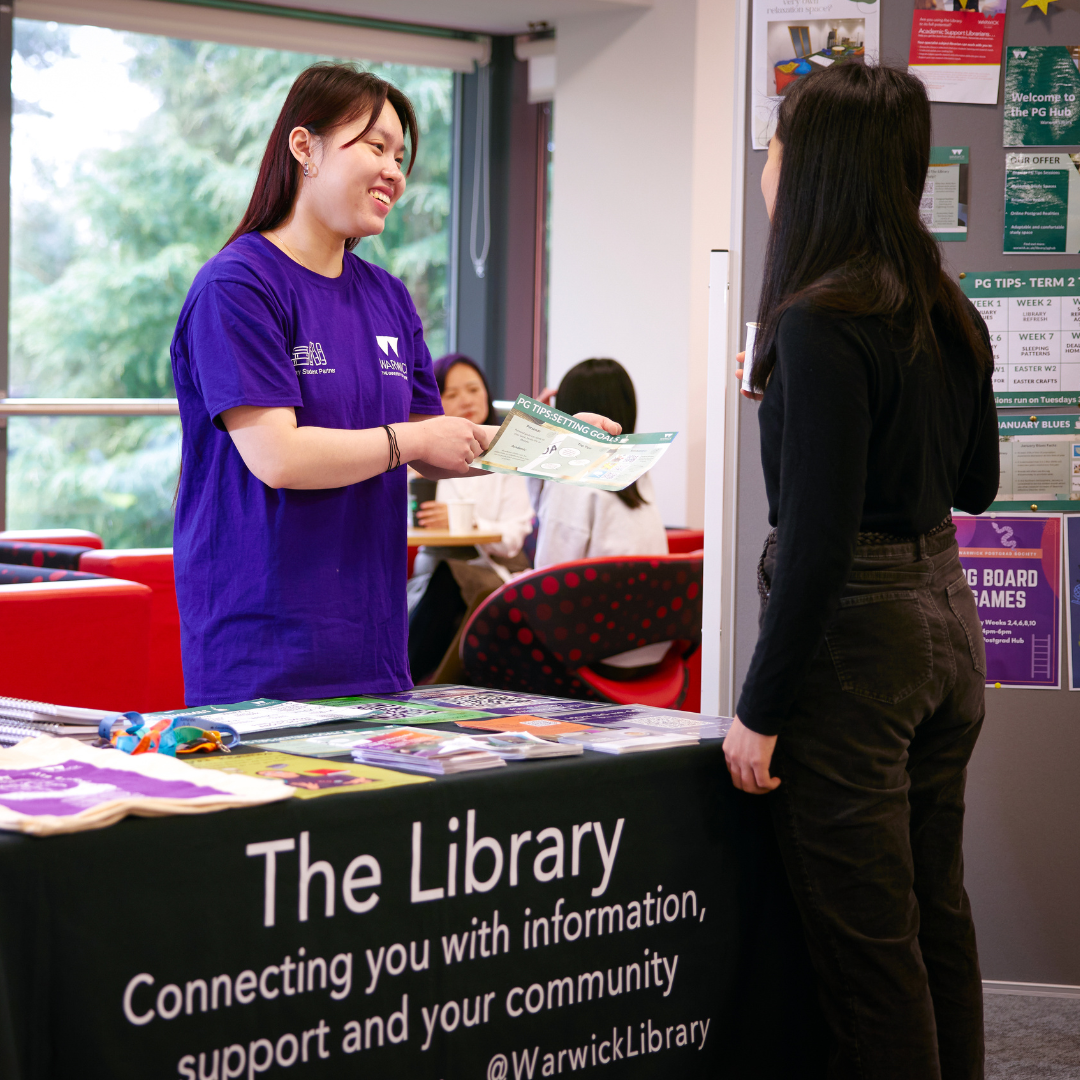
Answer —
395 452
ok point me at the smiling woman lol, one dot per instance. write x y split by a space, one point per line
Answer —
304 385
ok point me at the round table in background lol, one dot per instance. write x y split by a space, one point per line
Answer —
445 538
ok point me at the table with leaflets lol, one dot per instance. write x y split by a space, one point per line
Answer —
616 915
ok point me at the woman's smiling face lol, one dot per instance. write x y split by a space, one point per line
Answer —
464 395
356 181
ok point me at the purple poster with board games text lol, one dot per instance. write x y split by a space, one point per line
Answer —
1013 565
1072 577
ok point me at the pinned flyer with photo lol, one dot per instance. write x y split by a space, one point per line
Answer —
794 39
1013 565
539 441
944 204
957 53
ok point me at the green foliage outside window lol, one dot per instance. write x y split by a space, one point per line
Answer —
101 263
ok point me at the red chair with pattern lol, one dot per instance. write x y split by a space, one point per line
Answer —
78 537
551 630
39 553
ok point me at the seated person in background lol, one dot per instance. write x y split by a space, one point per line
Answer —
583 523
447 581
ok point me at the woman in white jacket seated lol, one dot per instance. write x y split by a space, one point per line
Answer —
445 581
583 523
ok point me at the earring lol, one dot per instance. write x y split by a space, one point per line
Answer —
310 171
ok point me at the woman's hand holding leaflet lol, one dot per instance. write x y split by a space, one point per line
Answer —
599 421
748 757
449 444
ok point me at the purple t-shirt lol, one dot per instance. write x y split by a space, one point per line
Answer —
292 594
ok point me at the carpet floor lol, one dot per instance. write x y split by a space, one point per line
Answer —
1032 1038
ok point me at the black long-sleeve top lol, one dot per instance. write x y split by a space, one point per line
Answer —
856 436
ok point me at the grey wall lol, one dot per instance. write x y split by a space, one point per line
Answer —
1023 827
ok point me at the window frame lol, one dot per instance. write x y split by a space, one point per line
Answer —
229 22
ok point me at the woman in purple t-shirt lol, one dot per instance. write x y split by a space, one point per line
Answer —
305 386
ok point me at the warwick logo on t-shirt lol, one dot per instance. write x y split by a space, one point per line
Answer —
310 359
391 366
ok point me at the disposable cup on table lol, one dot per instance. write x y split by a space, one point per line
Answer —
462 514
748 357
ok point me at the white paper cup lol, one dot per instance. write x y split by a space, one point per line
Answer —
748 359
462 516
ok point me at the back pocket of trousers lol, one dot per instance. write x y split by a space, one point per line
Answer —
963 607
880 645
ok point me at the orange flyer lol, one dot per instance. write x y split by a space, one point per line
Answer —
535 725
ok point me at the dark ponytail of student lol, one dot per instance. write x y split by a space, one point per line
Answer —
603 386
846 232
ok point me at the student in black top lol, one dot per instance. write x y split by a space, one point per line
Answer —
864 697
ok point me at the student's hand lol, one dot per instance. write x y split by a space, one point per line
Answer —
449 443
740 359
599 421
433 515
547 395
748 757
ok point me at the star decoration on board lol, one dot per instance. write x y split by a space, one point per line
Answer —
1042 5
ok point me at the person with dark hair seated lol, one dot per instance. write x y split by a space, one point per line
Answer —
585 523
447 581
582 523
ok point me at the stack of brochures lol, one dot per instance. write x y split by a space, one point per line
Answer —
521 746
414 750
704 727
627 740
540 726
21 719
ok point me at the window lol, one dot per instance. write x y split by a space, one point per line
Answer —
133 158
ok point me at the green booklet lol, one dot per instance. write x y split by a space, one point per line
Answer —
537 440
393 711
266 714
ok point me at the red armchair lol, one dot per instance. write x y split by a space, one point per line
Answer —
152 567
76 642
683 541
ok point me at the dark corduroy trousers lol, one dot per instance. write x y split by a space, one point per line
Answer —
869 815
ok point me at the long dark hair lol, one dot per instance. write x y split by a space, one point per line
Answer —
442 368
324 97
601 385
846 232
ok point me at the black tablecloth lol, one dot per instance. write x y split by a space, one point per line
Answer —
682 957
